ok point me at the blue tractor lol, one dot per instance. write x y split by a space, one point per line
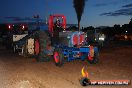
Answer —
54 40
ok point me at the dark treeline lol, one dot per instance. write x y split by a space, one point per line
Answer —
116 29
3 29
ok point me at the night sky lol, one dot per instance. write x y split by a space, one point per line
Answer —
96 12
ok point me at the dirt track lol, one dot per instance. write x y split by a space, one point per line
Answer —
19 72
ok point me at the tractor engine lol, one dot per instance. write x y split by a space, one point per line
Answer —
72 39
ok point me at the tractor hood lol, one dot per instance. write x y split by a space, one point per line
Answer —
70 38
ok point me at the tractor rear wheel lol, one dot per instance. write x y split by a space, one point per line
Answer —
58 57
44 43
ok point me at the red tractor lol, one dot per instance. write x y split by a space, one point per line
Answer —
58 42
49 35
55 41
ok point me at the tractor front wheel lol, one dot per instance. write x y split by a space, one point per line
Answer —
93 55
58 57
94 59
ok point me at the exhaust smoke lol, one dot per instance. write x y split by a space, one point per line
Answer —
79 8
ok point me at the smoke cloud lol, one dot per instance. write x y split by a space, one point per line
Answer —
79 8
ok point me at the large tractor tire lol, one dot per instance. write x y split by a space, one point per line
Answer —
44 44
58 57
93 56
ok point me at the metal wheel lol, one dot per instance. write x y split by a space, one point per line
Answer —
58 57
93 56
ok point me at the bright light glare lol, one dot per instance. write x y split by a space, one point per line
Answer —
101 39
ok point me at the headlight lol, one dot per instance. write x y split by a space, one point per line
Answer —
101 39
